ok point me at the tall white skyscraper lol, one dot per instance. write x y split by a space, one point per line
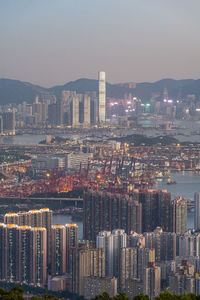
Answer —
197 210
102 96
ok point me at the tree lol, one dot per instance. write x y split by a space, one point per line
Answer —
121 296
104 296
141 297
166 295
47 296
16 293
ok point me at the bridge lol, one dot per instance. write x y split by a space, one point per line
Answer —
33 202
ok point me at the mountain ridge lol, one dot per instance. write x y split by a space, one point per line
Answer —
16 91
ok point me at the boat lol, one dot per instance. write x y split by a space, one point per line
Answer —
171 182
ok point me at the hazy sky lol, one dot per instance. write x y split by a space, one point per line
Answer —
51 42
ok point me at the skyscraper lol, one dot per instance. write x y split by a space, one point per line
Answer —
188 244
179 215
152 280
23 254
58 250
71 245
46 218
34 218
112 243
197 210
24 258
87 109
155 209
11 252
144 257
164 244
9 122
11 218
128 266
91 262
104 240
108 211
102 96
55 113
2 251
38 252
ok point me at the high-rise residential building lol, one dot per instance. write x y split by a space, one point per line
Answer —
75 111
183 279
2 251
104 240
107 211
152 280
98 285
37 110
180 283
94 110
9 122
133 287
112 243
91 262
24 250
128 266
155 209
44 112
71 245
24 258
86 117
80 109
135 239
102 96
23 254
71 235
34 218
133 262
58 250
144 257
1 124
11 218
197 210
188 244
179 215
23 218
55 113
11 252
164 244
47 217
119 241
38 252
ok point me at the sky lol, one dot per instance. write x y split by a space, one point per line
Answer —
51 42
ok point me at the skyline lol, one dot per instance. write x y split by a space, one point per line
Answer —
50 43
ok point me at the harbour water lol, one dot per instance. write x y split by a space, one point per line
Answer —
183 130
187 184
63 219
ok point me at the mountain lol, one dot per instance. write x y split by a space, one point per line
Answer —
84 85
15 91
176 88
